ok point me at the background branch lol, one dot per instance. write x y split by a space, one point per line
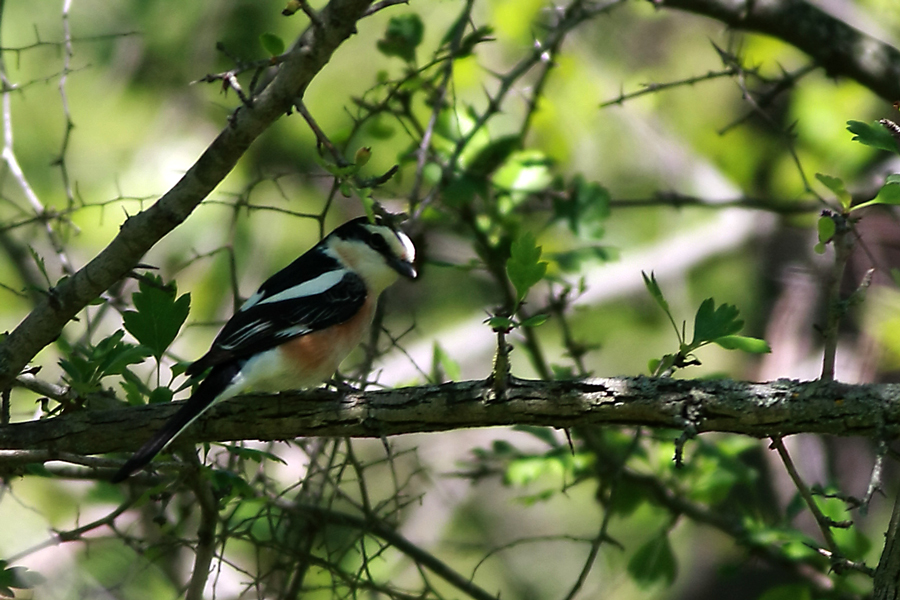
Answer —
835 45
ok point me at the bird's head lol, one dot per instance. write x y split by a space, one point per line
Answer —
377 251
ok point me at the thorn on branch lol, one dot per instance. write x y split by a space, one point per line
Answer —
321 138
875 484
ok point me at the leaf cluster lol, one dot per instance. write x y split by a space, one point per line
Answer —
712 325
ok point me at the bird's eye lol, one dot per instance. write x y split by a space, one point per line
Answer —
377 242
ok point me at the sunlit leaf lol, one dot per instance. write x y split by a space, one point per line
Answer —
873 135
525 267
712 322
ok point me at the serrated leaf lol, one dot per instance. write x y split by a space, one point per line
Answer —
272 44
745 343
873 135
653 562
525 267
713 322
159 315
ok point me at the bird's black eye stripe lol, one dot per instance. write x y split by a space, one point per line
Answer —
377 242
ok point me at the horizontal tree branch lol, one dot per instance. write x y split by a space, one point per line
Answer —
841 49
780 407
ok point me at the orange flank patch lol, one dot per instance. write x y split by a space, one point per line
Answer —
317 355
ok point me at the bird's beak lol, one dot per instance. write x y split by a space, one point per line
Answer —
405 268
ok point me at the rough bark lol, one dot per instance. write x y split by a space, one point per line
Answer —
781 407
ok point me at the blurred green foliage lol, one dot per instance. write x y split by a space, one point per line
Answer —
526 190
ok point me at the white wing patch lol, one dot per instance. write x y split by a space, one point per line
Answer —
313 287
247 331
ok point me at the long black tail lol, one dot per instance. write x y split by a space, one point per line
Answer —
205 396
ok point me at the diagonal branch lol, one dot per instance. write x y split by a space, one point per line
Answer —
835 45
140 232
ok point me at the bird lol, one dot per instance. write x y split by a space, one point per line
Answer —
298 327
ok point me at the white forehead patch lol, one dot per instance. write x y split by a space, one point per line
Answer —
400 244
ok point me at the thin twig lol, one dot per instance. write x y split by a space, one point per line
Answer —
321 138
843 245
73 534
822 521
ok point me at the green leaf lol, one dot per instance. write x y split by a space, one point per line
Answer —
888 194
17 577
526 172
492 154
656 292
402 36
535 320
585 207
836 185
135 389
501 323
272 44
653 562
159 315
714 322
895 276
874 135
826 228
41 265
257 456
524 266
525 470
572 260
472 39
545 434
747 344
86 365
160 395
443 367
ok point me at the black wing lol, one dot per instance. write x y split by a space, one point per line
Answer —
283 309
